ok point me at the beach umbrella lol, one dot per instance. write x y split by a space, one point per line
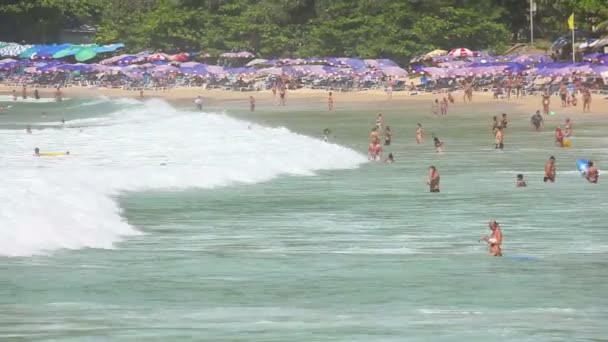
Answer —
393 71
461 52
109 48
437 52
180 57
242 54
189 65
68 51
157 57
85 54
257 61
13 49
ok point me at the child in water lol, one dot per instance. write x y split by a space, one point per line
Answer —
390 159
520 183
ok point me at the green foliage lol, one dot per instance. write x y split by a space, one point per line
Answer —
397 29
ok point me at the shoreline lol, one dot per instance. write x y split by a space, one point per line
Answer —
316 99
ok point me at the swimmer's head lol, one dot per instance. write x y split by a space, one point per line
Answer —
493 224
432 168
330 93
390 156
36 150
552 158
504 115
520 177
590 163
419 125
538 112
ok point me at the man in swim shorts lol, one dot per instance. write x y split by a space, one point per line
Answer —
592 173
537 120
434 178
550 170
494 241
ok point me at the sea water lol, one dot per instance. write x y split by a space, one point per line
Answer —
168 224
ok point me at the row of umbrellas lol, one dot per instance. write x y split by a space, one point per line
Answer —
81 52
492 69
162 68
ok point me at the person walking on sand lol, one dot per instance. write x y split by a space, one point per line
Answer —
434 178
444 106
251 104
550 170
494 241
419 134
330 102
586 100
546 102
24 92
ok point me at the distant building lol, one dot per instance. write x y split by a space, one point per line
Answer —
79 35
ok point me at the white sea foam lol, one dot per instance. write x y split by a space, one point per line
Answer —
49 203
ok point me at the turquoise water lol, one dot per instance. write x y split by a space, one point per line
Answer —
260 234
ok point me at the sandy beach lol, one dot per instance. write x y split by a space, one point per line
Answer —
317 99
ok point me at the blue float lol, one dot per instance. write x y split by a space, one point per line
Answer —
582 165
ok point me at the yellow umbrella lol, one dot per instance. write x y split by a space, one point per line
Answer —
436 53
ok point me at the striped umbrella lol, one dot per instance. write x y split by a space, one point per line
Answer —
461 52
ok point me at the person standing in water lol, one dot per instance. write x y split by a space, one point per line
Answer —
388 135
251 104
592 175
520 182
199 103
36 94
419 134
567 128
504 121
330 102
559 137
28 129
494 241
434 178
537 121
550 170
24 92
435 107
375 150
379 121
499 138
373 136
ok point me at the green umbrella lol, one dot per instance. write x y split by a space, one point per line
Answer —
85 54
72 50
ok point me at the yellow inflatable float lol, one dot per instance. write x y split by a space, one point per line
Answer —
49 154
53 154
567 143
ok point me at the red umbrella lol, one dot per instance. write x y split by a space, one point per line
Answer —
461 52
181 57
157 57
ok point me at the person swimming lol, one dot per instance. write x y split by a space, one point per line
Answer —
390 159
37 152
438 144
520 182
592 175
